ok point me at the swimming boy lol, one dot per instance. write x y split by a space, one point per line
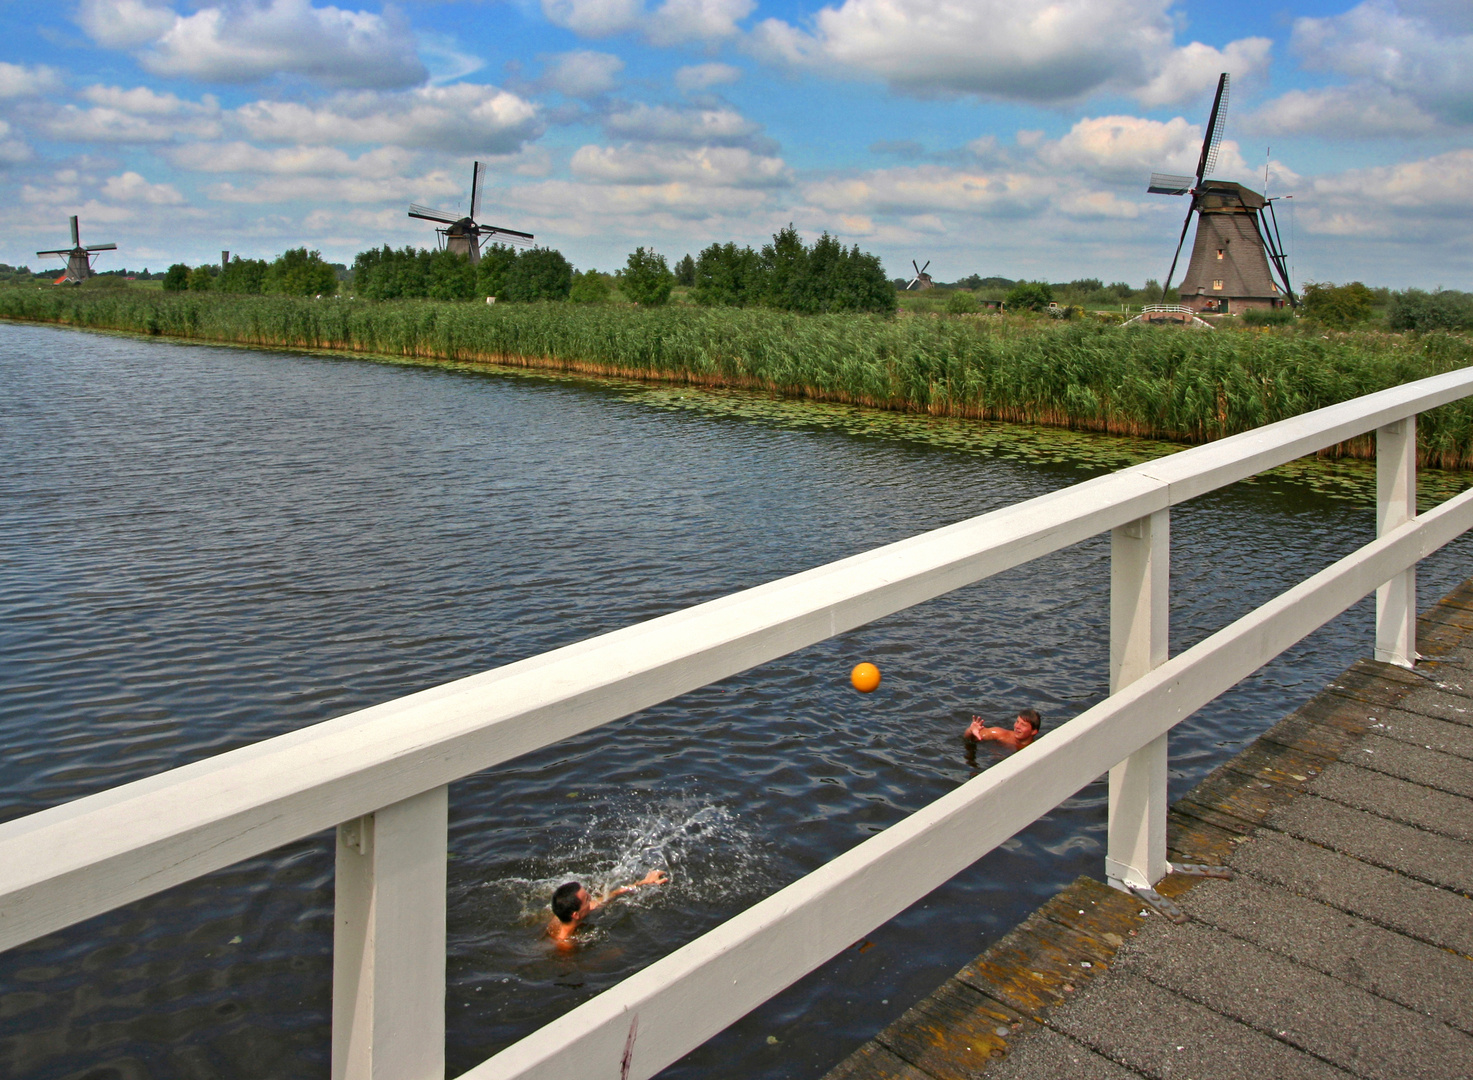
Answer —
1024 730
571 904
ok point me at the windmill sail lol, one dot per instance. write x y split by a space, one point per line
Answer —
478 175
429 213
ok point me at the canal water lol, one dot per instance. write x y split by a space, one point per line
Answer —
201 547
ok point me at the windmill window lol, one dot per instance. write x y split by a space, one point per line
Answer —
1217 285
1219 253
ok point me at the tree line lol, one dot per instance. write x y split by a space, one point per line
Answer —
296 272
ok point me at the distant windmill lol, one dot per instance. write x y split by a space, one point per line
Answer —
922 280
78 258
1229 269
464 234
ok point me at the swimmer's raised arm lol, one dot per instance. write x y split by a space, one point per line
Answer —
654 877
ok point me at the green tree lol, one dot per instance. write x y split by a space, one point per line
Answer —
450 276
1337 306
298 272
785 270
590 287
538 274
727 276
202 278
1417 309
647 279
491 271
1032 295
685 272
176 279
243 276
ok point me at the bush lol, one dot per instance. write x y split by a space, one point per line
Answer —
1268 316
491 271
590 287
449 276
176 279
202 278
1029 295
961 303
1445 309
647 279
1337 306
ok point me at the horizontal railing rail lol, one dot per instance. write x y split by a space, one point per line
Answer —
379 774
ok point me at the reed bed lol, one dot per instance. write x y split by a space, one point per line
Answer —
1155 383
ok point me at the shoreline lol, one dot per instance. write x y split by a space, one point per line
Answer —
1078 378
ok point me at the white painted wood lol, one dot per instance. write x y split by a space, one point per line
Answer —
71 862
656 1016
1396 502
388 960
1140 564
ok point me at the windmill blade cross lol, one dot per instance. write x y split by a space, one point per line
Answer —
102 247
427 213
1169 184
478 172
1215 123
1185 225
76 234
514 237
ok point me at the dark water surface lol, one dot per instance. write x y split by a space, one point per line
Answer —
201 547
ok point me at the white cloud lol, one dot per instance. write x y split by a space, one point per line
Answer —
705 166
1053 51
1419 51
675 21
1342 112
661 123
334 191
132 188
1437 183
248 40
125 24
1096 204
1194 69
1127 149
12 151
242 157
594 18
115 125
696 20
141 101
922 189
467 117
705 76
581 74
17 80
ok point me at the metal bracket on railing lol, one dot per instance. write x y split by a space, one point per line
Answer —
1162 905
357 834
1223 873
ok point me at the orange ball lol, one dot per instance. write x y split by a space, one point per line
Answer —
865 677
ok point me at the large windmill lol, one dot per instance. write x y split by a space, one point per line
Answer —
464 234
78 258
1229 270
922 280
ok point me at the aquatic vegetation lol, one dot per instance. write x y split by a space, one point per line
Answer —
1183 387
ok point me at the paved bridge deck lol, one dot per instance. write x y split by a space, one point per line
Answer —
1342 947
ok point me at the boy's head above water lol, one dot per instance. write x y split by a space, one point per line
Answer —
571 902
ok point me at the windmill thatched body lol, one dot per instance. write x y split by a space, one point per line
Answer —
922 280
464 235
78 258
1237 249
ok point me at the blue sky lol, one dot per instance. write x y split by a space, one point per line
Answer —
987 136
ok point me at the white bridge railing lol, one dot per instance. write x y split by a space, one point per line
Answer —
379 775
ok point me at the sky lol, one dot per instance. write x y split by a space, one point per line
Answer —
997 137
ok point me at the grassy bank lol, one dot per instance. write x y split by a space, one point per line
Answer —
1183 386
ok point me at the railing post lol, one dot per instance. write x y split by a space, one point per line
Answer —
1140 562
388 963
1396 504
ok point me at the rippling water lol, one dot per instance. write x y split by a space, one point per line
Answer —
201 547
